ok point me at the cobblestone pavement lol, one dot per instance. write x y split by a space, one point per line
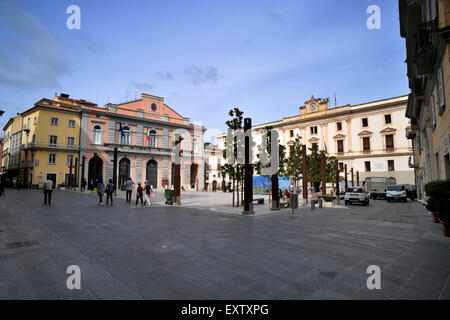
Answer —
193 252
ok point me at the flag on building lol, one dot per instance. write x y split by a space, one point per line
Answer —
148 135
326 152
121 130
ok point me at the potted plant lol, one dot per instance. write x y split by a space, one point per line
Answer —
329 197
443 204
431 190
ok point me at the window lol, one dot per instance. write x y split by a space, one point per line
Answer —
34 120
53 141
140 113
387 119
432 112
70 157
54 121
71 123
291 133
341 166
126 137
391 165
70 142
28 123
389 141
195 146
52 158
97 135
313 130
365 122
366 144
340 146
438 165
367 166
440 92
339 126
33 139
152 139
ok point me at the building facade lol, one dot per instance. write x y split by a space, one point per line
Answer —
144 132
50 142
12 132
425 25
369 137
214 179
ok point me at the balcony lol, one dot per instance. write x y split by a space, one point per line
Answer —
27 164
49 146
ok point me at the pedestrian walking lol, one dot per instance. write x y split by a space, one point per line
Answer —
2 190
129 189
83 184
109 191
48 189
148 192
100 190
139 194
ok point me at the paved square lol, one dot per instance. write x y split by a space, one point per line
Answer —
194 252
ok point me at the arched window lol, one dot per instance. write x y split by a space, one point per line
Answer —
126 137
97 135
152 140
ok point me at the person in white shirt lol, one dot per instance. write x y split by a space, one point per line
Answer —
48 188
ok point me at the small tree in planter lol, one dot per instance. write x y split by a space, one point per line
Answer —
431 190
442 197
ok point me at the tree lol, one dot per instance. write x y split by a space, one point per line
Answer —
313 168
233 169
293 164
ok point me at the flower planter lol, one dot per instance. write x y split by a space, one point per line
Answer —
435 216
445 228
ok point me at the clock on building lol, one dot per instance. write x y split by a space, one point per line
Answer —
154 106
312 107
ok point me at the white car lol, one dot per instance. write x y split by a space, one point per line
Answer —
356 195
396 192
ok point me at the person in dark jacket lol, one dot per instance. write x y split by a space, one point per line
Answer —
140 194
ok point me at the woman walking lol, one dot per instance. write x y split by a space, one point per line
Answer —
100 191
139 194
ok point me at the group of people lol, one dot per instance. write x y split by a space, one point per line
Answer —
129 187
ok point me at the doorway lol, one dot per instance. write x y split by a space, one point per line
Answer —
151 174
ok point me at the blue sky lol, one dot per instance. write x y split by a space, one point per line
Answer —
203 57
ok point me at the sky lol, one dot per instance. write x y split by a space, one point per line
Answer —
203 57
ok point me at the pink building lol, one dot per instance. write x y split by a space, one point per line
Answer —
144 132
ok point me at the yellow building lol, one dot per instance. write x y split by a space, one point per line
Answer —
50 140
425 26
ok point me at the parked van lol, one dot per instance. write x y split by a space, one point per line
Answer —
396 192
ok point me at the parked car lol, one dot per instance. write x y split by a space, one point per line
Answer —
356 195
396 192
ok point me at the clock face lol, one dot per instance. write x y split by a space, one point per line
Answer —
312 106
153 106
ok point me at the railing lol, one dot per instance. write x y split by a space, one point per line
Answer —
26 164
48 145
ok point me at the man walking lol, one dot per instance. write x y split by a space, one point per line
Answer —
109 191
2 190
129 189
48 188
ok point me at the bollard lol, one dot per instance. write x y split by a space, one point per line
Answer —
320 203
313 204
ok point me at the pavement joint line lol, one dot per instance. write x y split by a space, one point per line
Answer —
443 287
409 278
